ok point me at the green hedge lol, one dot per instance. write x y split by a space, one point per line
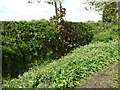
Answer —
104 31
101 26
74 34
105 36
24 42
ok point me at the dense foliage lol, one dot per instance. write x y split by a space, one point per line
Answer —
109 12
102 27
71 70
24 42
107 33
73 34
108 9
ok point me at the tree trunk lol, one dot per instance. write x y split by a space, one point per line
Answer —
118 10
56 8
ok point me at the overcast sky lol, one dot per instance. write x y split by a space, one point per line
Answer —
22 10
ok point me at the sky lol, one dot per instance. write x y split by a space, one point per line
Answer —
15 10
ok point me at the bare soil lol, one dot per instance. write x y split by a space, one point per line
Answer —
104 78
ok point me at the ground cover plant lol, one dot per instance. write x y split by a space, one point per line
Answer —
70 70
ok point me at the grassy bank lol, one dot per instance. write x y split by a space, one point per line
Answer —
70 70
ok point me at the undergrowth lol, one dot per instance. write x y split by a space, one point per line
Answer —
70 70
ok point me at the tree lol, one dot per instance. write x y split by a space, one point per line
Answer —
118 10
109 9
109 12
59 11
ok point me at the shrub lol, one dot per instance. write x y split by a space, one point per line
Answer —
100 26
24 42
104 36
27 42
73 34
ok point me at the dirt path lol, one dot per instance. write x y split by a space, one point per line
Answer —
107 78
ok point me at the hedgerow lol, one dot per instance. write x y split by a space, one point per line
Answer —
111 33
24 43
101 26
70 70
73 34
